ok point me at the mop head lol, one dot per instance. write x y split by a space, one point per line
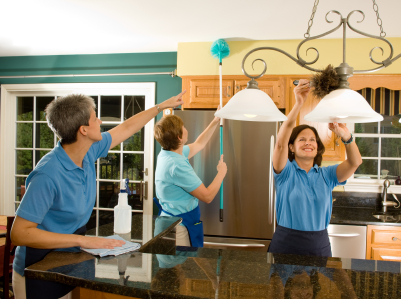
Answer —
220 49
325 82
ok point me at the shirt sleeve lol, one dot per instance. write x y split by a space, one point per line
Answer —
330 176
185 177
186 151
281 177
101 148
38 198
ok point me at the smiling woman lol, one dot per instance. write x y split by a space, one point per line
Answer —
304 190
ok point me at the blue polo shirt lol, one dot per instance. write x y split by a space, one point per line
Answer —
304 200
175 179
59 194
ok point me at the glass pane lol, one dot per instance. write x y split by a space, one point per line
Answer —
367 170
110 166
25 108
105 217
41 103
368 147
134 200
107 128
91 224
20 187
108 194
24 162
44 136
110 108
24 135
391 147
135 142
133 167
39 155
133 105
390 169
17 205
391 124
367 128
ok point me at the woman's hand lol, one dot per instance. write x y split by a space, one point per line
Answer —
222 166
340 130
217 119
301 91
173 101
97 243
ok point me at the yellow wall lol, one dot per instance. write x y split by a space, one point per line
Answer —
195 58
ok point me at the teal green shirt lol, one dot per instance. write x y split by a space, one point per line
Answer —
175 179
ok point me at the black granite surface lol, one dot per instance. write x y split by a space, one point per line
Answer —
212 273
354 208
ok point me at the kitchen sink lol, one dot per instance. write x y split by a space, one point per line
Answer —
388 217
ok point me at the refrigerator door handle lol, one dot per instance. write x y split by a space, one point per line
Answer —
344 235
232 244
271 206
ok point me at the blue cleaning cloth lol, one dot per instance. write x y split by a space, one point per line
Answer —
127 247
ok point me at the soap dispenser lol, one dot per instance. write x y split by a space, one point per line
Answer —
123 211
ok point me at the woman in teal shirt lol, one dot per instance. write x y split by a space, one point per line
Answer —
303 188
178 188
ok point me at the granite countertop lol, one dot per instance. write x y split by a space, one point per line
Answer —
358 209
212 273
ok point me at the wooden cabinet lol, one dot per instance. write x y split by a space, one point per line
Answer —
383 243
203 92
335 149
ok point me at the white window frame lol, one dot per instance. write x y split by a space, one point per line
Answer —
9 94
371 185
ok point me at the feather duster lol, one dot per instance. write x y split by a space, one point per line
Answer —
325 82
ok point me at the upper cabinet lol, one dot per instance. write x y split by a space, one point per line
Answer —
203 92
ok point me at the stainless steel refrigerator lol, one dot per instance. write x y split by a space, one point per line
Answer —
249 211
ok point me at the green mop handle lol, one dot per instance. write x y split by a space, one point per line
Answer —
221 140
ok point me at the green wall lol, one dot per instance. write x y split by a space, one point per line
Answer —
166 86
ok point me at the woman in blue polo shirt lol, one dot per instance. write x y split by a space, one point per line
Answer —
178 188
303 188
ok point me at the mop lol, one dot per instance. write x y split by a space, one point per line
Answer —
220 50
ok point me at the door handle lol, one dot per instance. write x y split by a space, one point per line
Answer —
233 245
145 190
344 235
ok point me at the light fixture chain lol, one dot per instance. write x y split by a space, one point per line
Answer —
379 20
310 23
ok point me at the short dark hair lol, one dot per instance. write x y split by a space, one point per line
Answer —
167 130
66 114
320 146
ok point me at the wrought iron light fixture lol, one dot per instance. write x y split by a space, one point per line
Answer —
340 105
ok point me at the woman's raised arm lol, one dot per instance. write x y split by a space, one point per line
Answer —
280 154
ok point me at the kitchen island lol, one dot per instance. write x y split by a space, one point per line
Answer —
184 272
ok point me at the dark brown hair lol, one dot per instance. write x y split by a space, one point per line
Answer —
320 147
167 130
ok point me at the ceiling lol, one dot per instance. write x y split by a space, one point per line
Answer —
53 27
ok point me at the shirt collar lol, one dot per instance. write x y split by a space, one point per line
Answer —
65 159
167 153
316 167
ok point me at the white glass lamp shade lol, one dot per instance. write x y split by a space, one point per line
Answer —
251 105
343 106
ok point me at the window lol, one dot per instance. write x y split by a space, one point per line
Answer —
380 143
28 138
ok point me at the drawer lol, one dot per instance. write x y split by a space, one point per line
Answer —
386 254
384 236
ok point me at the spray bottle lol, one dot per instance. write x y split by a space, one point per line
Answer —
123 211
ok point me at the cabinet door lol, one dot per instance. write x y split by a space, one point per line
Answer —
386 254
205 92
335 149
274 87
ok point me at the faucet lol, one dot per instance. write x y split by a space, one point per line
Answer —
386 203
